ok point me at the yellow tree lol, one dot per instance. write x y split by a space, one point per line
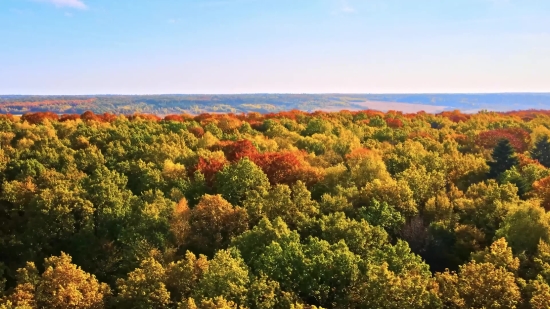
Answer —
365 166
395 193
479 285
385 289
61 285
499 254
214 221
215 303
144 287
179 222
183 276
539 294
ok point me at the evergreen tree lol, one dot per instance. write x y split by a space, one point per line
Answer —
504 158
541 151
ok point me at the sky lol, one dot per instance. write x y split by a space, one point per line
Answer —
273 46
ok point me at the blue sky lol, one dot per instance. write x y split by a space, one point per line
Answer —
289 46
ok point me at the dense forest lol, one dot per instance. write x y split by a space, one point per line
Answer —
358 209
268 103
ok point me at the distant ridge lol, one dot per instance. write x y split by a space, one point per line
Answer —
265 103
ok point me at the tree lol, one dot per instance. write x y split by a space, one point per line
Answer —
265 293
395 193
213 222
504 158
519 138
407 290
234 181
541 190
183 276
285 168
366 166
485 205
526 217
479 285
541 151
499 254
144 287
422 183
208 168
216 303
382 215
539 294
179 223
293 205
360 237
317 125
61 285
317 271
239 149
227 276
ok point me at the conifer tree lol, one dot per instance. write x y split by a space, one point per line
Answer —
541 151
504 158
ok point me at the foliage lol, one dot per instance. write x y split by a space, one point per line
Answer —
351 209
503 158
541 151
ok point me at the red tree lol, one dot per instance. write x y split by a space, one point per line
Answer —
177 118
394 123
197 131
236 150
88 115
209 168
285 168
39 117
518 138
69 117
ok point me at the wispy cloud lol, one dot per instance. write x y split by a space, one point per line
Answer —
216 3
346 7
76 4
173 21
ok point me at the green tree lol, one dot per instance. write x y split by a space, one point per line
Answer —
524 227
227 276
504 158
234 181
293 205
541 151
382 215
362 238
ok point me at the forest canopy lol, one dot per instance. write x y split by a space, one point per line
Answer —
350 209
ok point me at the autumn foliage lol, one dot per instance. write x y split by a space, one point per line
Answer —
394 123
518 138
285 168
541 189
234 151
209 168
290 209
35 118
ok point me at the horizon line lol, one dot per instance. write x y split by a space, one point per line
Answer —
288 93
